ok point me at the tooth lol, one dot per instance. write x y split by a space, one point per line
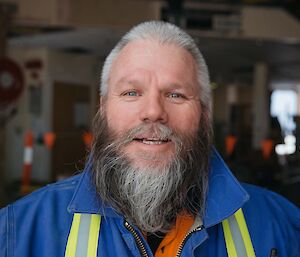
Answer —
149 142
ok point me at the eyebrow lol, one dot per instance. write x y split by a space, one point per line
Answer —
128 81
170 86
180 86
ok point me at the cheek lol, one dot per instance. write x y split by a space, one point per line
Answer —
120 118
186 120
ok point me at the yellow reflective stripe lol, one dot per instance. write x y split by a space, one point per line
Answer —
239 215
228 239
73 236
94 235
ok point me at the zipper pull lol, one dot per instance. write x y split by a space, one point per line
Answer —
137 238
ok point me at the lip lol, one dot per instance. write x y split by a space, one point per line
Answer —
150 150
152 143
152 140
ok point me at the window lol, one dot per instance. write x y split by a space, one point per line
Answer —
284 107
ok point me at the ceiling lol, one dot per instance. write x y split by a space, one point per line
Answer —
229 59
233 59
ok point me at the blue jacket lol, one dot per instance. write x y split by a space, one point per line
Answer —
39 224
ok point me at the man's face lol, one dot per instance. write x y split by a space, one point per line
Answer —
151 84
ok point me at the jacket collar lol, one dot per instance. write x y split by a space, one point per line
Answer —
225 194
85 199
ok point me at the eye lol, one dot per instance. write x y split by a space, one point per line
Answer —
130 93
176 95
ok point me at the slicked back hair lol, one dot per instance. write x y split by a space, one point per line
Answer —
164 33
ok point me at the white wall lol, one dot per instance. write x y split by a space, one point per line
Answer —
16 127
57 66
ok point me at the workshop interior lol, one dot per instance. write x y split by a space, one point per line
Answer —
51 55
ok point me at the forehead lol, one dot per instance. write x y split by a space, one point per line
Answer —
167 63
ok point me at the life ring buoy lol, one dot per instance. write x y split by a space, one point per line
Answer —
11 81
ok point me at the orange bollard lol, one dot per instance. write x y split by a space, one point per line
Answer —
267 148
27 162
230 142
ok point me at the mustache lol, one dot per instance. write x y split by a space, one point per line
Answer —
149 130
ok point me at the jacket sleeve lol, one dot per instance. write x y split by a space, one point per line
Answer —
274 222
286 223
292 214
3 232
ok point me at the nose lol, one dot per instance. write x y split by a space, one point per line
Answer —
153 109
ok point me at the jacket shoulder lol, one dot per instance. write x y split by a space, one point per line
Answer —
3 232
43 210
269 201
63 190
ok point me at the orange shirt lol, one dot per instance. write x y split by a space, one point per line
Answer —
173 239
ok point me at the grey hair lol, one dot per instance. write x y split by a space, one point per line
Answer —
164 33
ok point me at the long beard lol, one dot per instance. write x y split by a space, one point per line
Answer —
151 197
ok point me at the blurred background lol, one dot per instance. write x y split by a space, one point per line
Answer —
51 53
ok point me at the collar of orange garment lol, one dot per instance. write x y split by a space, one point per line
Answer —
170 244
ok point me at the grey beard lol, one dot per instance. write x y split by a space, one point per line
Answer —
151 197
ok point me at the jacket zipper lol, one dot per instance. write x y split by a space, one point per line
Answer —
185 239
137 239
141 246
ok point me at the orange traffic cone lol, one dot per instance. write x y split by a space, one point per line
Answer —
87 139
230 142
49 138
267 148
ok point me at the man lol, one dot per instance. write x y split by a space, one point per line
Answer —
153 184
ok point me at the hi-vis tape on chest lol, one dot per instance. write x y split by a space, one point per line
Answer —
85 230
237 237
83 237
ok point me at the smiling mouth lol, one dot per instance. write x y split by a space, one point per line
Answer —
152 141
